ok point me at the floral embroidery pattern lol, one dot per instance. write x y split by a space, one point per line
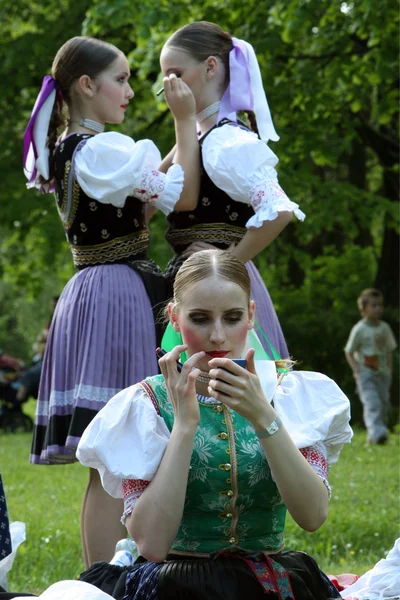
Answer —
104 234
83 227
151 187
316 458
201 455
265 192
255 464
131 486
132 489
205 201
119 213
222 490
93 206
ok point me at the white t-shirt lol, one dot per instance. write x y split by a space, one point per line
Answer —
371 344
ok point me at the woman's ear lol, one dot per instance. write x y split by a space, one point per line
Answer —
86 86
211 64
173 316
252 313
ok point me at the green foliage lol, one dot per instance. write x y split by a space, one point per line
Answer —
330 73
355 536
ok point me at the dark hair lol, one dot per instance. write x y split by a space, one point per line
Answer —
79 56
202 39
367 295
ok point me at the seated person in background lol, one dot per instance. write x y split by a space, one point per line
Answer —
28 384
209 459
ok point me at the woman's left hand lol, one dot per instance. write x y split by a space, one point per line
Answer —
240 389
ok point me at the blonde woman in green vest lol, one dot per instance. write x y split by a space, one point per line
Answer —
210 456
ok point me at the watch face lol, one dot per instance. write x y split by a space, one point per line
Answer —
273 428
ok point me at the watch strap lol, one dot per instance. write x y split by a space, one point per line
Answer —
270 429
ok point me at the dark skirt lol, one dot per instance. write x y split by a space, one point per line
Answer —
211 579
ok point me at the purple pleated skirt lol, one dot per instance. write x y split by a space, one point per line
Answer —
265 314
101 340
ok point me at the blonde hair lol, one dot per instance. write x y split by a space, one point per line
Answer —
366 296
209 263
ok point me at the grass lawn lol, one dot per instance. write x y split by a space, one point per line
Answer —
363 522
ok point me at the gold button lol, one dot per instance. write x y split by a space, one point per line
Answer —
228 450
225 467
219 408
229 493
229 515
228 480
222 435
232 540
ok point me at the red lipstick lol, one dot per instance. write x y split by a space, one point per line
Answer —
217 353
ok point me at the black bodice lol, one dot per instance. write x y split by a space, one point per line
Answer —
217 219
98 233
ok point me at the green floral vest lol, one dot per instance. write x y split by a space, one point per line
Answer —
231 499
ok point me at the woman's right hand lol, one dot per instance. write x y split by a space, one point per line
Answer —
179 98
181 387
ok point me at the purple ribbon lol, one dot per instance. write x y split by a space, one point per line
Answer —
48 86
238 95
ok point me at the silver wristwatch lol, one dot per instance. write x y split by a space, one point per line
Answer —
270 430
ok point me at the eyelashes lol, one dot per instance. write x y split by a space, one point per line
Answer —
203 320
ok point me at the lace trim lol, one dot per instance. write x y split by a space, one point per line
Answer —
70 397
268 199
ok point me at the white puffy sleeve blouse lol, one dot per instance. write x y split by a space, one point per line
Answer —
126 440
112 166
242 165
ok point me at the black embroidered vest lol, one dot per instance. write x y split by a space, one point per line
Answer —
97 233
217 219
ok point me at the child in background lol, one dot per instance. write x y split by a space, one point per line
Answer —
369 354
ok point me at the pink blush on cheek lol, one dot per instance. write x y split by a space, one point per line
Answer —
241 334
191 339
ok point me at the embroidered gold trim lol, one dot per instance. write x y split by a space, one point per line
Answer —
108 252
213 233
233 473
75 201
63 204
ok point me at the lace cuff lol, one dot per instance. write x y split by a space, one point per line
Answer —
268 199
132 489
159 189
316 458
